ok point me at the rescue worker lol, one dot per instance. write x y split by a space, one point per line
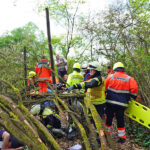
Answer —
9 142
86 72
32 84
43 72
62 67
95 87
109 71
119 88
75 76
31 80
50 119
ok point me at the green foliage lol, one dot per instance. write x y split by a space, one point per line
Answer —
140 134
11 52
65 14
122 34
71 62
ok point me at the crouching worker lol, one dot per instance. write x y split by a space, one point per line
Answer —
50 120
31 83
8 141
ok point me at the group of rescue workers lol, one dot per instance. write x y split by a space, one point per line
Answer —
110 95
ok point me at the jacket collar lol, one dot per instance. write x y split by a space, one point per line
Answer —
43 60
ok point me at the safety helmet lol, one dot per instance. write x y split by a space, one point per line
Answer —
77 66
94 66
84 66
35 109
117 65
32 74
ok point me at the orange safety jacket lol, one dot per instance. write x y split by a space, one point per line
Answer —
43 70
119 88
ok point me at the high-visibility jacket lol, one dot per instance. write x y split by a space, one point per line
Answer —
30 81
96 90
111 72
120 87
43 70
73 78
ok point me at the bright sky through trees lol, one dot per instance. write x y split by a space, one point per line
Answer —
16 13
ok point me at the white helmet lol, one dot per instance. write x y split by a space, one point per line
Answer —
84 66
35 109
94 66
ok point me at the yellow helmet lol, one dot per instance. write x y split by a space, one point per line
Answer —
77 65
32 74
117 65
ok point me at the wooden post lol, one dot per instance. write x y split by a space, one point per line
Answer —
50 45
25 67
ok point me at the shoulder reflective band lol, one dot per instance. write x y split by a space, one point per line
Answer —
139 113
120 78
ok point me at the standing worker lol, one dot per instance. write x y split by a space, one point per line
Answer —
95 87
75 76
119 87
62 67
43 72
86 72
109 71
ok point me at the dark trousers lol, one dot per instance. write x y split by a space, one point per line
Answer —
100 109
61 74
52 120
116 110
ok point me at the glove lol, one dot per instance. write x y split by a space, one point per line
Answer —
79 85
70 89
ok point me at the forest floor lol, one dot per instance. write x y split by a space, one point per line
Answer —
128 145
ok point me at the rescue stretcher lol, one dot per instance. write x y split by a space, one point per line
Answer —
139 113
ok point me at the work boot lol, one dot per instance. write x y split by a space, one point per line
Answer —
121 140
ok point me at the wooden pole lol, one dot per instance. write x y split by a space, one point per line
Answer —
25 67
50 45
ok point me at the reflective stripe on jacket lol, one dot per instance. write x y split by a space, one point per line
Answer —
96 90
43 70
120 87
74 78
